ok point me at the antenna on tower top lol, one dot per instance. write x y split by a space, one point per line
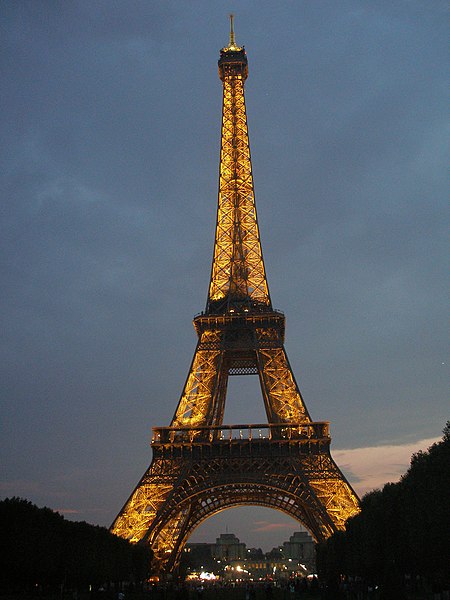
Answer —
232 42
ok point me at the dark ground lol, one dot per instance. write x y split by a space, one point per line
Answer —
211 593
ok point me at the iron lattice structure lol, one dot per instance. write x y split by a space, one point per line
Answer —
201 466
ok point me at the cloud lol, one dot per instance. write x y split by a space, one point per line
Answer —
19 488
371 467
79 514
261 526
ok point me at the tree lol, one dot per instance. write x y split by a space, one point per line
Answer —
38 546
401 529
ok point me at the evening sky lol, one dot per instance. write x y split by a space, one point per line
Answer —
110 147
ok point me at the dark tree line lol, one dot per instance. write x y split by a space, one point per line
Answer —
401 538
39 548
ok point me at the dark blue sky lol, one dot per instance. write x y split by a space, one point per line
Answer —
111 131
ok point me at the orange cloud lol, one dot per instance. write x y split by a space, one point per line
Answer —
68 511
370 468
267 526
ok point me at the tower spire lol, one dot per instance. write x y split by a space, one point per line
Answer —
232 47
238 279
232 43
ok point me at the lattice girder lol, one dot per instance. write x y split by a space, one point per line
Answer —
281 393
238 268
334 492
150 494
196 405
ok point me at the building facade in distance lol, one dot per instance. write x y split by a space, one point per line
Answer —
231 557
299 547
228 548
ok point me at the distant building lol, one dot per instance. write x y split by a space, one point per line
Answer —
254 554
295 558
228 547
299 547
197 556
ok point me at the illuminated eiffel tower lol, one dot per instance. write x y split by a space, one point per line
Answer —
201 466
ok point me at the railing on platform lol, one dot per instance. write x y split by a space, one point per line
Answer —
235 433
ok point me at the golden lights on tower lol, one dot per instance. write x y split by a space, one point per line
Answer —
201 466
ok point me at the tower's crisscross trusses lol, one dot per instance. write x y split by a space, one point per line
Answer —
238 267
201 466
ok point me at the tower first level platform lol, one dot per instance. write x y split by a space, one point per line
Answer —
196 473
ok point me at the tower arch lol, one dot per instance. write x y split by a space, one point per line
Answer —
198 508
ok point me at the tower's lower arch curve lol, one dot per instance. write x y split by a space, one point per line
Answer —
177 524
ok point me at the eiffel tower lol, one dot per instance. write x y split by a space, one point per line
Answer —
200 465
